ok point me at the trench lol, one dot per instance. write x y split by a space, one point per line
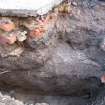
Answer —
62 66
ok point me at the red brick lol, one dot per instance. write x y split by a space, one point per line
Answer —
37 33
103 79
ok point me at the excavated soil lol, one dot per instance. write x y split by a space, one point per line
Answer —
64 67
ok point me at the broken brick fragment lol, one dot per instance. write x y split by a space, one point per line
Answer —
3 40
21 36
37 33
7 38
7 25
103 79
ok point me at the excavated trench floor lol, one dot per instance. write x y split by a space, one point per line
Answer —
64 67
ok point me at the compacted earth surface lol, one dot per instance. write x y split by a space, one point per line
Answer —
54 59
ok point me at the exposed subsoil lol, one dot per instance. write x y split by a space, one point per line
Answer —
63 66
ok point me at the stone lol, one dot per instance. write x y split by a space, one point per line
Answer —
7 100
64 8
17 52
74 3
102 45
11 39
21 35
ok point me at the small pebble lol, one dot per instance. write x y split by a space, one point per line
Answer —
102 45
21 36
74 3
